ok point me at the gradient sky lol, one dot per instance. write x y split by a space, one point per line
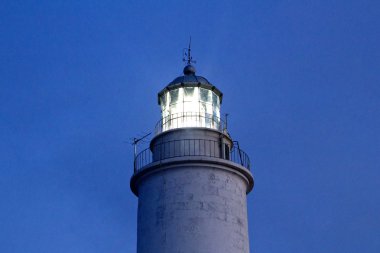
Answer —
79 79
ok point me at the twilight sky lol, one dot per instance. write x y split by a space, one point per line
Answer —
79 79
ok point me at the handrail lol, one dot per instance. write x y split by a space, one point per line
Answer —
189 119
188 148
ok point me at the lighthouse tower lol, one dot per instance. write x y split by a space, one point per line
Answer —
192 181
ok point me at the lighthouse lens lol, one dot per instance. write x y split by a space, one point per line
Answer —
190 107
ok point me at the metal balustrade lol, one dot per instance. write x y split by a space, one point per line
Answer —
188 148
189 119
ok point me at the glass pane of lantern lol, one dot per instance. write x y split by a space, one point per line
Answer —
215 99
189 93
163 100
216 111
173 96
205 95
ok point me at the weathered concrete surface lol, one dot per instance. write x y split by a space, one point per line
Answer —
192 208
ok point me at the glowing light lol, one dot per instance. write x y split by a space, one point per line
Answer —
190 107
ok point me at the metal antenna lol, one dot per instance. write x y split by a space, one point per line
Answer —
136 141
187 55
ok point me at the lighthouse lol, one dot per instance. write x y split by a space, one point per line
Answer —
193 179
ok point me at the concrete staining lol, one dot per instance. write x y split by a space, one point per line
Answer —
192 208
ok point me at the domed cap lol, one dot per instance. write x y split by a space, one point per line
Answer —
189 79
189 70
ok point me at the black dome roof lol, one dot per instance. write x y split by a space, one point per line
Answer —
189 79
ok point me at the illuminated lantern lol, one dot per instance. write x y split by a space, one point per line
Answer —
190 101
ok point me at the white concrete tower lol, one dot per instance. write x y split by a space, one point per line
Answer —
192 181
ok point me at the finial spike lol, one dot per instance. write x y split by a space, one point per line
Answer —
187 55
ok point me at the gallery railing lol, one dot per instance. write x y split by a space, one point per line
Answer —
188 148
189 119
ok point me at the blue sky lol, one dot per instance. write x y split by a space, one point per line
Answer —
80 78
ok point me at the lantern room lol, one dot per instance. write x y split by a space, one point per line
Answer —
190 101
